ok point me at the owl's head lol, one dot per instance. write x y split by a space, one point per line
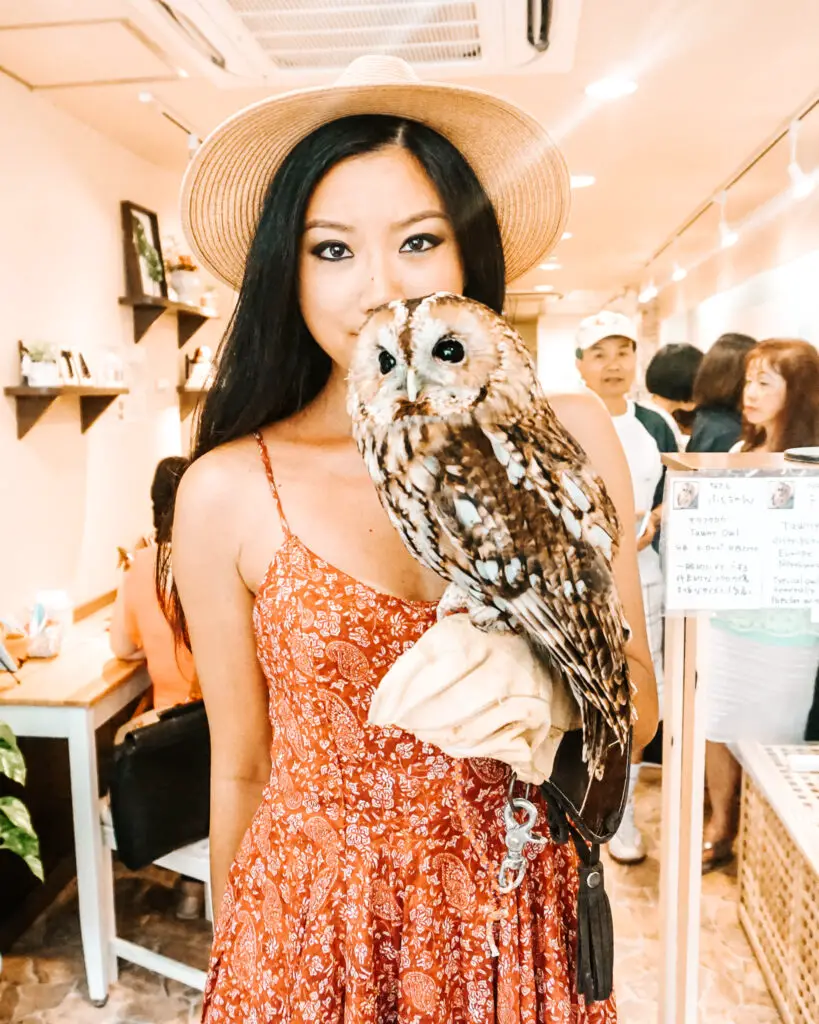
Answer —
432 357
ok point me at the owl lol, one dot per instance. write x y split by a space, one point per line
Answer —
488 490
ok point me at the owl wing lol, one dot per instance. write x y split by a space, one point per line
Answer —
533 532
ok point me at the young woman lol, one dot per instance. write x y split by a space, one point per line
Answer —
761 667
355 866
718 395
138 627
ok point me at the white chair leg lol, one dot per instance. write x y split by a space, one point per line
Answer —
208 902
95 882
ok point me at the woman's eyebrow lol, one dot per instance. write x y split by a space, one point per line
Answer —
334 225
331 225
424 215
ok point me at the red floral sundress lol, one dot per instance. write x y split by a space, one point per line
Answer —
363 888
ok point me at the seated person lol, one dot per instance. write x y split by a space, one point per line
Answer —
139 628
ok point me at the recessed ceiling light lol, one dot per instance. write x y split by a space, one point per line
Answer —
551 266
611 88
182 73
146 97
566 236
583 180
544 287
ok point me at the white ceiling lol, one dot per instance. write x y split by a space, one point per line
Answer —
717 78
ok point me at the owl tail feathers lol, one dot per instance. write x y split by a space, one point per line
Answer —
598 737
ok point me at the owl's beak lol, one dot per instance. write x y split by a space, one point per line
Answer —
413 385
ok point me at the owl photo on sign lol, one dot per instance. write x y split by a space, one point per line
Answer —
489 490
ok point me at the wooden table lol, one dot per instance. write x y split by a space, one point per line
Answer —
70 697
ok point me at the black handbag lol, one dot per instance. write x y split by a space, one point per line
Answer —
160 786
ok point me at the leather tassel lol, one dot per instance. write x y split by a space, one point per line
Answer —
595 934
595 926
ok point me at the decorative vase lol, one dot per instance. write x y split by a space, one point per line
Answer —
187 286
43 374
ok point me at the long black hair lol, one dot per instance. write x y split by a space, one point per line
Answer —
269 366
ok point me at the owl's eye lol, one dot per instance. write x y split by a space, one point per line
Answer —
385 361
449 350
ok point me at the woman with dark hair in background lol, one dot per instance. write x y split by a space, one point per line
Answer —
718 395
670 380
356 867
761 666
139 628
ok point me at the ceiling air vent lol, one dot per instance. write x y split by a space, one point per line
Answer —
310 41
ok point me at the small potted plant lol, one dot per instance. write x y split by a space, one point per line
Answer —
39 365
183 275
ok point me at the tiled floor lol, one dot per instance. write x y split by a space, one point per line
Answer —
42 982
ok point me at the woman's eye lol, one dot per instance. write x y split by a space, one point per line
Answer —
332 251
385 361
420 243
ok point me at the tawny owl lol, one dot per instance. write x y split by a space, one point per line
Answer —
489 490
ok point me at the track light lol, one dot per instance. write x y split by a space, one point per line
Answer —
801 184
727 236
648 293
680 273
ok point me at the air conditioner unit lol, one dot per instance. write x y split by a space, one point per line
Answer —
290 43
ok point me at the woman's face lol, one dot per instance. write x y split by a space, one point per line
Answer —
375 230
765 394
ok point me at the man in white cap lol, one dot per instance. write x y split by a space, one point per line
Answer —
607 361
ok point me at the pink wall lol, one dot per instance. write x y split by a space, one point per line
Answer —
68 499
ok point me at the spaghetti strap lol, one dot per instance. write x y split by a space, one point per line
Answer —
265 453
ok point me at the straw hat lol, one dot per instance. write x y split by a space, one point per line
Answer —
521 169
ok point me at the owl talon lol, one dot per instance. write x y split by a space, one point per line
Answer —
453 602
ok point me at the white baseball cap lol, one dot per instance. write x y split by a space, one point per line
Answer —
604 325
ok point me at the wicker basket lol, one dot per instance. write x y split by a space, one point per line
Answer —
779 877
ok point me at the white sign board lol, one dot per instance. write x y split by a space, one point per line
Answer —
741 542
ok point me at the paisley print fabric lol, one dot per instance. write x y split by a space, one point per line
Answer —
360 892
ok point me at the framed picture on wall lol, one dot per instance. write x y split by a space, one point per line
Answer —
144 267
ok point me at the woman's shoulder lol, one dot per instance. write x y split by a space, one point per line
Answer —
217 480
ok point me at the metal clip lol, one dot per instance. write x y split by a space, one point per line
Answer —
517 838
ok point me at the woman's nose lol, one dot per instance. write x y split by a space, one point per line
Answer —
381 285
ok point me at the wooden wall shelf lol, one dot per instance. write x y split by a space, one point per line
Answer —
31 403
147 309
189 398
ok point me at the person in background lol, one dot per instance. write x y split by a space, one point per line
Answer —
607 361
761 666
139 629
670 382
718 395
138 625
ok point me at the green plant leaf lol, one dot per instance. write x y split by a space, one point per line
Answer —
22 845
7 736
12 764
17 814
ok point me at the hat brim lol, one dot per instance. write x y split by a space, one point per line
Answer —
519 166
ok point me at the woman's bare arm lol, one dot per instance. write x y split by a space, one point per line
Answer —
587 419
219 610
